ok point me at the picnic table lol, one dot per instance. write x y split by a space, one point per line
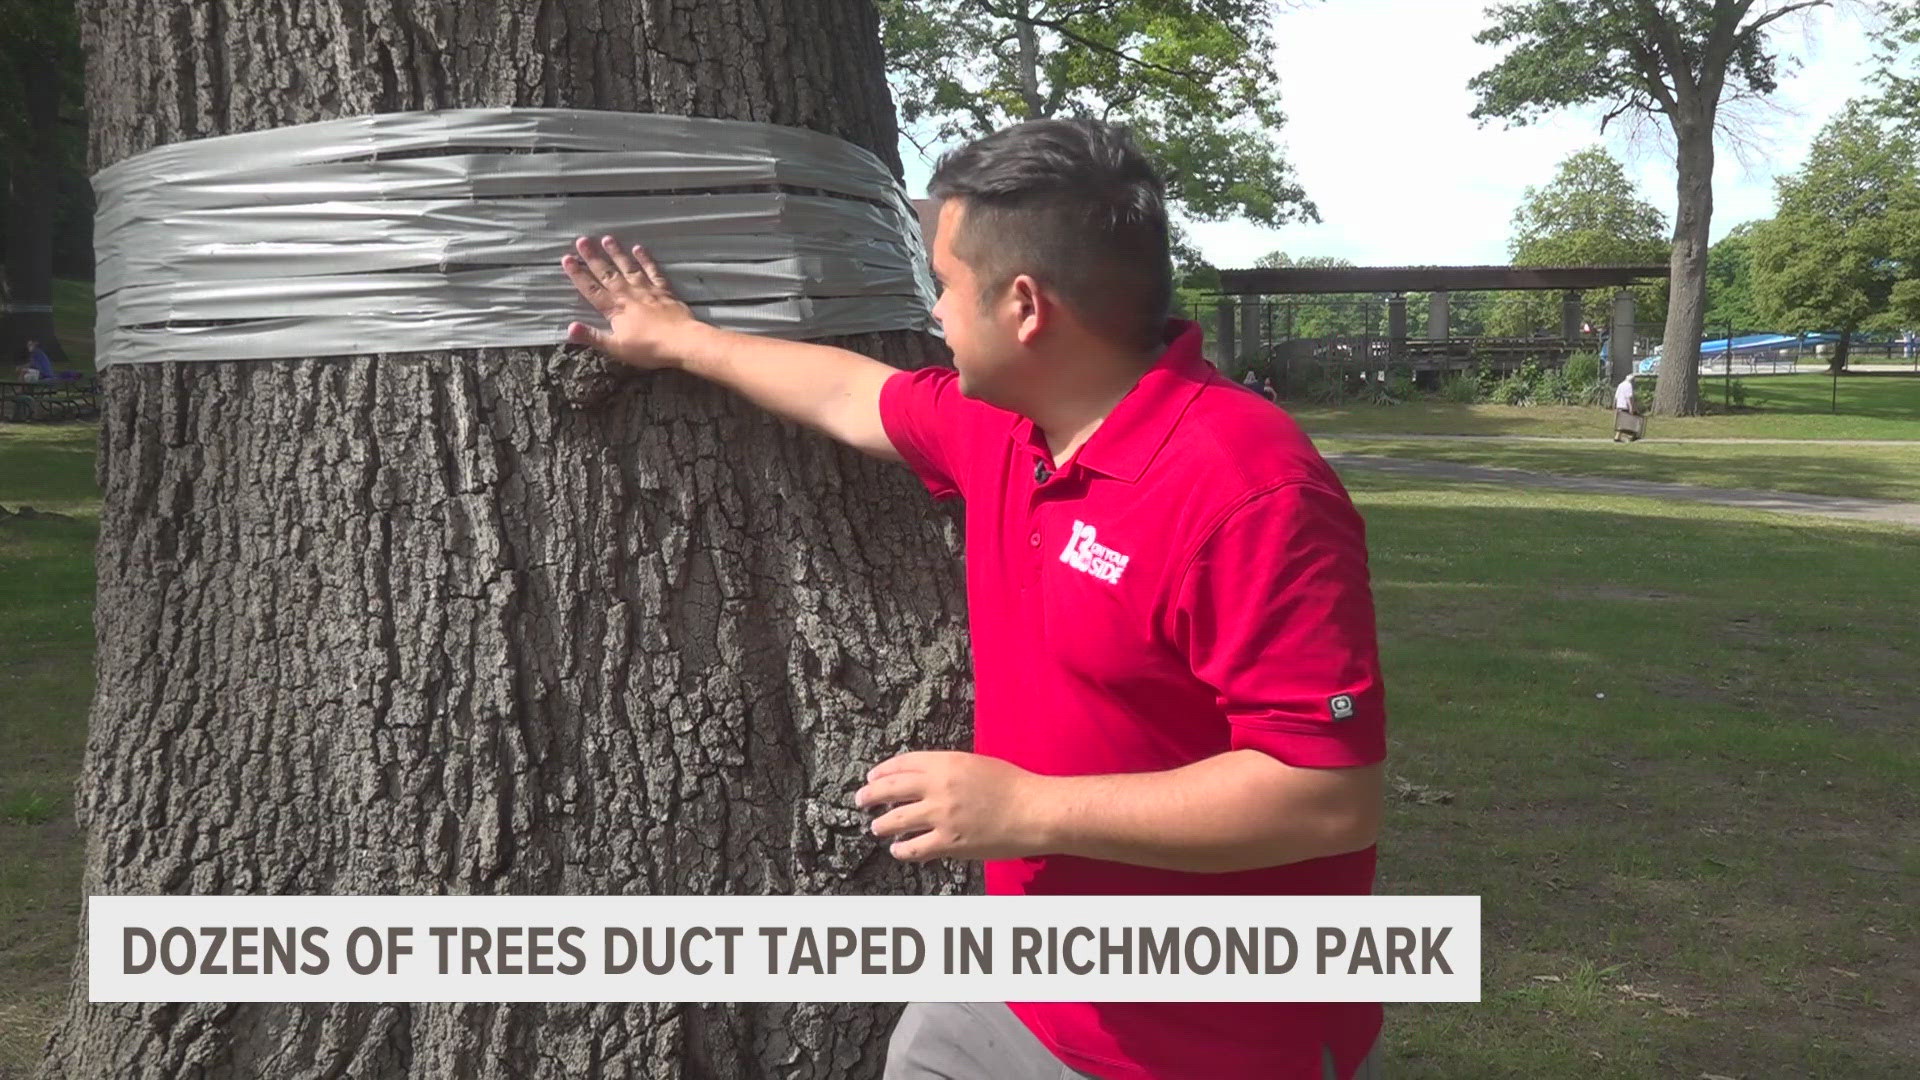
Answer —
24 402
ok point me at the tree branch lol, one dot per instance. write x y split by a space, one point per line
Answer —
1653 76
1667 39
1064 31
1772 16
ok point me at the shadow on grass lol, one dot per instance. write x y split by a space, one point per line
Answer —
1871 472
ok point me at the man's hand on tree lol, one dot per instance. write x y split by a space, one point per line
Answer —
649 324
952 805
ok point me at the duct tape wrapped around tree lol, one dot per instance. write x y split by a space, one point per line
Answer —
441 230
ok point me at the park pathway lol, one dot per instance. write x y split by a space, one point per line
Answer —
1785 502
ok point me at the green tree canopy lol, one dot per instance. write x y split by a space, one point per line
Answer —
1899 72
1730 303
1847 236
1589 214
1672 59
1193 79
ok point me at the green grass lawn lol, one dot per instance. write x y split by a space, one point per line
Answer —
73 321
1709 870
1778 407
1873 472
1712 868
46 683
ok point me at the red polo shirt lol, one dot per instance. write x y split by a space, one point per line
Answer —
1194 580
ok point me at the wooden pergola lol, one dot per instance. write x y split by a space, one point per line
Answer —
1237 287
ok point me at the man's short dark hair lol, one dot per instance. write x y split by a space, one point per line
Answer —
1075 204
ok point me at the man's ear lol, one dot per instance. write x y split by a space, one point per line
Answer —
1032 307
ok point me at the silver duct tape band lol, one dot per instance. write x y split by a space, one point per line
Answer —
442 230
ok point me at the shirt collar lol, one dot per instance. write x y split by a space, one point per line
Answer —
1131 436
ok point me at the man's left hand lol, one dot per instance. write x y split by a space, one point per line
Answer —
963 806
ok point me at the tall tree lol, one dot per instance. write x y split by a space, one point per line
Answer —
1677 60
417 624
1844 237
41 144
1589 214
1193 79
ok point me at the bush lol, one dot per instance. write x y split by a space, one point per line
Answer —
1586 379
1520 388
1463 389
1400 387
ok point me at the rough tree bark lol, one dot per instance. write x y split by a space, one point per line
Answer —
416 624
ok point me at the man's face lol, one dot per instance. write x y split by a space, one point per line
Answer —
979 330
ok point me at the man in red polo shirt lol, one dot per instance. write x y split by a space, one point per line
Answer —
1178 690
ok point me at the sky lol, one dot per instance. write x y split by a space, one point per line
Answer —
1379 135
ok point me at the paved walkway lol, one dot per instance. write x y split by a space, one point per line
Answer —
1785 502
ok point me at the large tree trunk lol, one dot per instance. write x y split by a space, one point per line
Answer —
1841 351
416 624
29 190
1677 391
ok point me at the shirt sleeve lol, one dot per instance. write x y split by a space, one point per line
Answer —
935 429
1275 612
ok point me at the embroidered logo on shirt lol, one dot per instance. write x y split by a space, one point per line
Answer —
1341 705
1087 555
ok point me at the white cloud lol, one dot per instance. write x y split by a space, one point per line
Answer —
1379 134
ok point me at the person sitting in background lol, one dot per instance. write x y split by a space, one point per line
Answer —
37 368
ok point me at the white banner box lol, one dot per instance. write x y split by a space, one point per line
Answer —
783 948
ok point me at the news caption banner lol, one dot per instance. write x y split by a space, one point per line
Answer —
783 948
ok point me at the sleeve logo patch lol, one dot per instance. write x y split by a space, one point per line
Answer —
1341 706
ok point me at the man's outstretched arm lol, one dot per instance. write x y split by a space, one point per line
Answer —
833 390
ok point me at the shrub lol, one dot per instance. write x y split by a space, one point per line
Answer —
1463 389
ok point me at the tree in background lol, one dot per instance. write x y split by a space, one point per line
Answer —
42 155
1844 238
1730 303
419 624
1899 72
1321 315
1589 214
1193 80
1677 60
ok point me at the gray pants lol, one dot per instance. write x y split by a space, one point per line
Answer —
985 1041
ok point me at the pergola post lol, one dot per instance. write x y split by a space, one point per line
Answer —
1570 317
1620 356
1223 340
1438 310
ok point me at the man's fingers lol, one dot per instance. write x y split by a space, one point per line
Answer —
618 256
582 334
892 788
902 820
650 268
590 287
596 258
911 761
928 845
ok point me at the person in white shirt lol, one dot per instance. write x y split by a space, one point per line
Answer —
1626 418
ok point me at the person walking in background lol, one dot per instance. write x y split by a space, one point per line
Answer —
1627 420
